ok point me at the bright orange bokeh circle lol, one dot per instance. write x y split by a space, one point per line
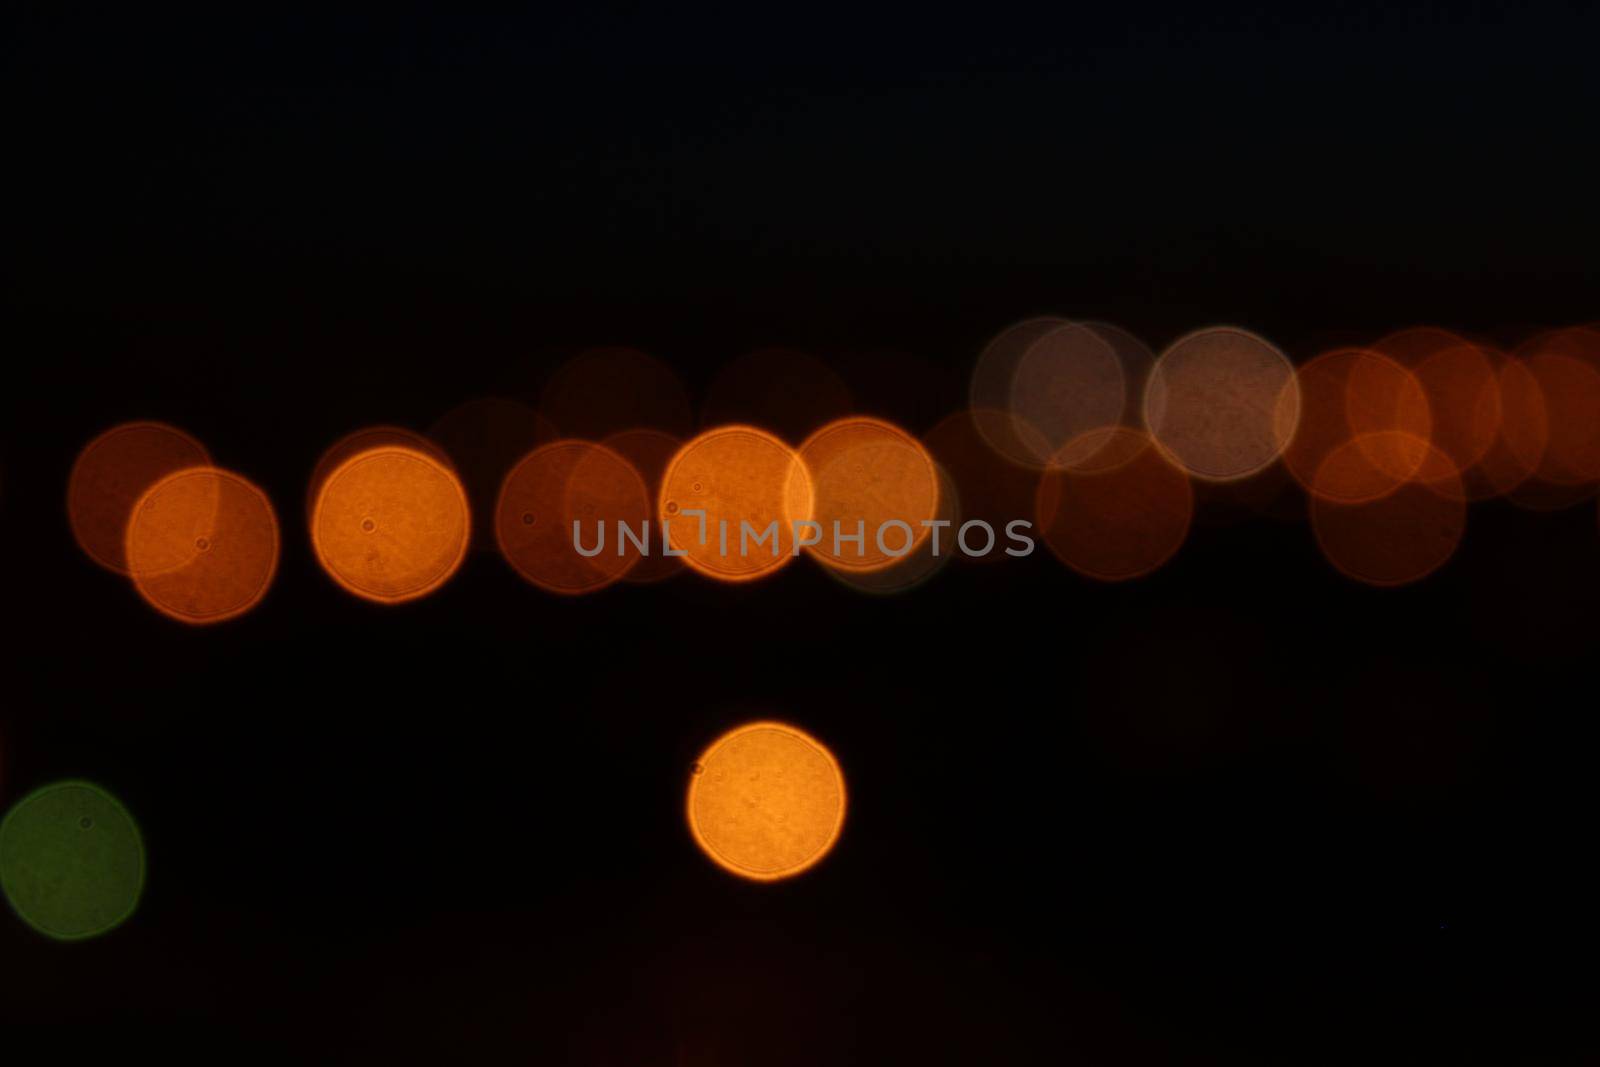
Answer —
737 476
866 474
202 545
391 524
766 801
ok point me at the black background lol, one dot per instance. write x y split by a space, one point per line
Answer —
1242 810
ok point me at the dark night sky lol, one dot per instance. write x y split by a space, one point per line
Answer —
1241 811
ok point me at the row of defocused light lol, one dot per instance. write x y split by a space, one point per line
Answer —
1075 427
1076 434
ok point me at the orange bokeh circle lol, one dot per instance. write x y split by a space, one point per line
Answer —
365 440
561 483
1112 507
110 475
391 524
202 545
1349 393
1463 382
866 473
1222 402
737 476
766 801
1400 535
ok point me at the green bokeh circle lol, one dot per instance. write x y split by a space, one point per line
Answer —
71 861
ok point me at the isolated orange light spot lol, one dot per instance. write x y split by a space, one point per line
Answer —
1223 402
648 452
561 483
366 440
202 545
866 473
110 475
1400 536
391 524
766 801
791 392
736 475
607 390
1350 392
1112 507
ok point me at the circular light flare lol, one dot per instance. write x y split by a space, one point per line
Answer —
110 475
1112 507
608 390
365 440
1400 536
865 474
1067 382
736 475
1352 393
766 801
556 485
391 524
202 545
72 861
1223 403
1463 383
